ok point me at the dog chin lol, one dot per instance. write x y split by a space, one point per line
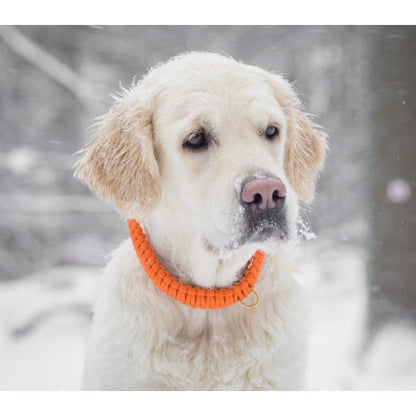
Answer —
266 239
265 234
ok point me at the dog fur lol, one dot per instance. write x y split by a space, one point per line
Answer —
188 203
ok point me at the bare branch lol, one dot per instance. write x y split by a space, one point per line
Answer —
55 69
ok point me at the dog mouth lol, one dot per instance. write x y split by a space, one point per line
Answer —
265 228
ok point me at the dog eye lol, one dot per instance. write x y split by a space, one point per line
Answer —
271 132
197 141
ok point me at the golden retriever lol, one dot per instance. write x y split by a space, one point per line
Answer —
210 156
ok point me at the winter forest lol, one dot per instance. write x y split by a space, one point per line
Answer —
358 236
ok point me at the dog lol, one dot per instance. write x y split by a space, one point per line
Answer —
209 158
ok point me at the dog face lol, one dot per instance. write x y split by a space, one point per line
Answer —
209 145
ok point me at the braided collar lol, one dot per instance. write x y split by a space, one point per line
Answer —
196 297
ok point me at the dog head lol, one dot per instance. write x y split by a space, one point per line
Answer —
218 148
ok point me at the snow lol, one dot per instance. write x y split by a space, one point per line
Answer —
304 230
44 326
335 280
22 160
398 191
391 362
45 322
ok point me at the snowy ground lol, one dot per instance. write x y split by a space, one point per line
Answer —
45 320
337 361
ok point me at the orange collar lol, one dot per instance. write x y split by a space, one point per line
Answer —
196 297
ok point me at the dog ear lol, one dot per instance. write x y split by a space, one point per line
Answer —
306 144
119 164
305 153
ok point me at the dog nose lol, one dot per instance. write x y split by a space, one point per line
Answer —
263 194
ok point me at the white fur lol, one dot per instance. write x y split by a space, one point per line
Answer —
141 338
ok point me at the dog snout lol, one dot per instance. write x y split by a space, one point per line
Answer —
263 194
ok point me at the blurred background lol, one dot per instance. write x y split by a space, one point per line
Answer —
358 235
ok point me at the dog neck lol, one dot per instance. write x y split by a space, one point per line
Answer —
192 261
194 296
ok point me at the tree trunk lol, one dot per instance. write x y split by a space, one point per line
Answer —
392 172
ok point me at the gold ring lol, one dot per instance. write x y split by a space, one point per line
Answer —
254 304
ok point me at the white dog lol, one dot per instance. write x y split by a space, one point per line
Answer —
210 156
